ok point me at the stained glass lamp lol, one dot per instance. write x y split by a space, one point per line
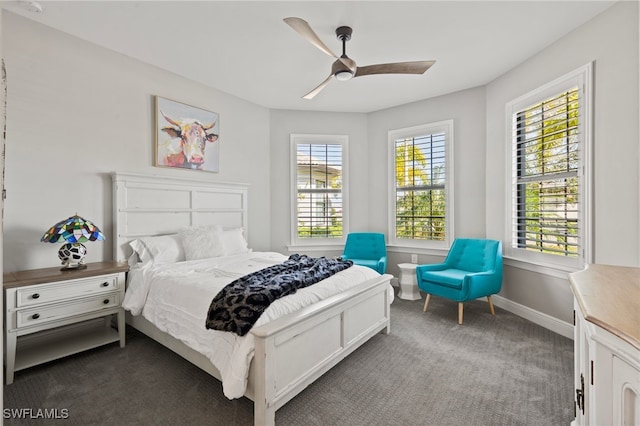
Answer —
73 232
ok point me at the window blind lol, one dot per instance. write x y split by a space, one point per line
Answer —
319 190
546 162
420 199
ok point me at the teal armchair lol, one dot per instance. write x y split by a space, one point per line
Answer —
366 249
472 269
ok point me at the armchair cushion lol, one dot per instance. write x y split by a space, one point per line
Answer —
373 264
452 278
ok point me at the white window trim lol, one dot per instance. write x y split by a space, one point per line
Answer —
421 246
318 244
542 262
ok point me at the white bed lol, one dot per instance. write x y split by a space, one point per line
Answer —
296 340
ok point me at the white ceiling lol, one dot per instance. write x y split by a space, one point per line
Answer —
245 49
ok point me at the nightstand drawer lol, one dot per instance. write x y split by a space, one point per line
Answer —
43 314
41 294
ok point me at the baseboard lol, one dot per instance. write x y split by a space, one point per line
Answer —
562 328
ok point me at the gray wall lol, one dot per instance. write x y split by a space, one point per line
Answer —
611 40
78 112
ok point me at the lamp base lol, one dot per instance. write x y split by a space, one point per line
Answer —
72 256
73 266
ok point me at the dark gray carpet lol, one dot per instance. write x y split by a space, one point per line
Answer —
491 371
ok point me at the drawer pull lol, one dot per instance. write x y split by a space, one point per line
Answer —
105 284
35 296
35 316
105 301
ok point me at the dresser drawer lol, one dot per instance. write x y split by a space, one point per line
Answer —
41 294
38 315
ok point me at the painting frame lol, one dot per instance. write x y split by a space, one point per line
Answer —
186 137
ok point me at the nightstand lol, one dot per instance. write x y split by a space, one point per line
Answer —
52 313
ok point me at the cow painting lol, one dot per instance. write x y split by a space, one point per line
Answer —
188 141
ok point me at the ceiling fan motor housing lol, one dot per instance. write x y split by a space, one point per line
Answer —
344 33
345 67
344 64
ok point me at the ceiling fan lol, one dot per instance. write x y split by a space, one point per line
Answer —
345 68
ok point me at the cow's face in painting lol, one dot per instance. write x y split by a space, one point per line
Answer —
190 139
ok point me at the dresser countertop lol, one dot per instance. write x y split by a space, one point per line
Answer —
47 275
609 296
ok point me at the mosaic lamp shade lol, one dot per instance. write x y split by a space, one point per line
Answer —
72 232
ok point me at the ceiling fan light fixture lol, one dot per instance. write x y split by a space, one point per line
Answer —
345 68
344 75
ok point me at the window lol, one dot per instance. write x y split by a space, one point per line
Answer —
549 135
421 196
319 182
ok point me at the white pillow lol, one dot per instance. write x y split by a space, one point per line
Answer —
202 242
140 252
159 250
233 242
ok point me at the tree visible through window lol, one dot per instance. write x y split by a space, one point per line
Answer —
546 158
420 187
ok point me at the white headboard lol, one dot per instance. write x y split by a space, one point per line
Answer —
146 205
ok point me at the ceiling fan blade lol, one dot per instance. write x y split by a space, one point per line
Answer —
417 67
302 27
317 90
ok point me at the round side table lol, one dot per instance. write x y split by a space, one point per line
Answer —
408 283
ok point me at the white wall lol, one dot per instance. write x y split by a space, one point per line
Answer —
78 112
368 163
2 124
283 124
611 40
466 108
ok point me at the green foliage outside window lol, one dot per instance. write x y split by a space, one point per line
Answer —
547 162
420 193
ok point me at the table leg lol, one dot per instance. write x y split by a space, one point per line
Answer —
121 327
10 356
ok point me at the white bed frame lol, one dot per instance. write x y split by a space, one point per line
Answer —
291 352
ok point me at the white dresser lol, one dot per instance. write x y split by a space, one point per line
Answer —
607 345
51 313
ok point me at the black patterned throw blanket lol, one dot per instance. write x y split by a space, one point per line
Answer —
237 307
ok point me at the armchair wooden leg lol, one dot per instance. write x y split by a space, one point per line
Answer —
460 313
493 312
426 303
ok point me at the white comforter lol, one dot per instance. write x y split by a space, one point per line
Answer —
176 298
